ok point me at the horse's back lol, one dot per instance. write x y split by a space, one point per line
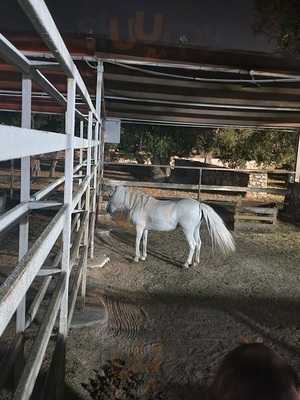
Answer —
188 205
165 215
188 212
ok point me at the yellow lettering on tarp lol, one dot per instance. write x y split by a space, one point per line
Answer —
157 30
136 31
115 35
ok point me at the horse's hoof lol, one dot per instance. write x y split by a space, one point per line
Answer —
143 258
136 259
186 266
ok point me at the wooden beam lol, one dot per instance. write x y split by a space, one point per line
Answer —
221 98
172 63
202 86
247 115
194 121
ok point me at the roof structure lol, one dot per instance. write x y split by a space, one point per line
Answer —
194 64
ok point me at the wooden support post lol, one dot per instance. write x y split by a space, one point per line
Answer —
297 174
199 183
68 197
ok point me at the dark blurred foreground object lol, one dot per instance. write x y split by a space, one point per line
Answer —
254 372
118 381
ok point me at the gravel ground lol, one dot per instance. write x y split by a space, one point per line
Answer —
176 325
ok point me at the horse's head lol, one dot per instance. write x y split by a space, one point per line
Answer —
116 199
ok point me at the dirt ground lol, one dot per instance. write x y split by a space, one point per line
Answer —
176 325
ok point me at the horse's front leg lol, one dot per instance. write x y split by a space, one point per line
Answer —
145 237
139 234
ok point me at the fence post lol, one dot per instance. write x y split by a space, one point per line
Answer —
87 208
11 184
100 71
95 181
68 195
24 224
199 183
97 154
80 171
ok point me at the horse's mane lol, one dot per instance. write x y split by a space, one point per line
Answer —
136 202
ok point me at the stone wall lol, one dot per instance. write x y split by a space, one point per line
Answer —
257 180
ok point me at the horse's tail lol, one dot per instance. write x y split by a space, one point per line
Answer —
218 232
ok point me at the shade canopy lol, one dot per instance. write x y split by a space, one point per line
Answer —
194 63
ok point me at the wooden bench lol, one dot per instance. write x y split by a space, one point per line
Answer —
255 215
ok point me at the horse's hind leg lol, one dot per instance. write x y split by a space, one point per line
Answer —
139 234
198 243
189 234
145 237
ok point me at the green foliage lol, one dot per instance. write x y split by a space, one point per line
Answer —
158 142
279 20
270 146
52 122
10 118
235 146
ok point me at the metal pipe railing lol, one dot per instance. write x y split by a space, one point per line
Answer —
224 169
199 186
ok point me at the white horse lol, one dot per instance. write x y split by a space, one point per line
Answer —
148 213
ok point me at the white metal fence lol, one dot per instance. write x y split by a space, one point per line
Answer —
74 220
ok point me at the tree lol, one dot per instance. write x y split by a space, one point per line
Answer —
231 145
158 143
279 20
269 146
